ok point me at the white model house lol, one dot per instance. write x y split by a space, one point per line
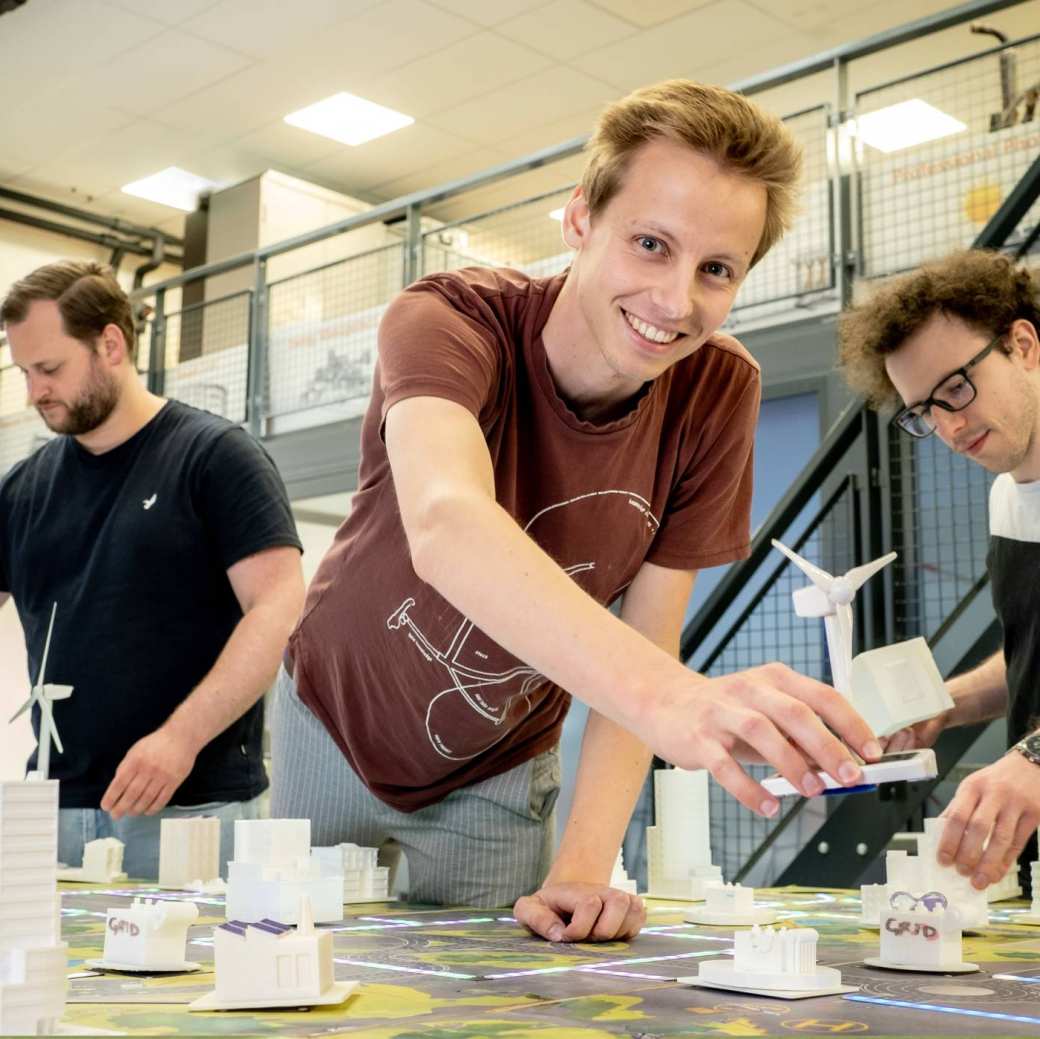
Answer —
33 959
678 846
619 878
102 863
273 870
149 933
922 939
364 880
729 905
189 851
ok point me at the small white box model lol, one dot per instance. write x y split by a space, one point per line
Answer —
678 846
619 877
729 905
920 939
1006 888
363 879
273 870
1033 916
268 964
773 962
102 863
33 958
873 897
189 851
148 935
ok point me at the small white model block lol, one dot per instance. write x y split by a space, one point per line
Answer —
189 850
150 934
363 879
266 964
1033 916
619 878
897 686
678 847
874 898
265 881
102 863
729 905
773 962
33 959
1006 888
919 939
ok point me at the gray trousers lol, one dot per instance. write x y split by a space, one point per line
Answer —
484 845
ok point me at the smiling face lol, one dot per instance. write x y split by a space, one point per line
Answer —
657 269
998 429
69 383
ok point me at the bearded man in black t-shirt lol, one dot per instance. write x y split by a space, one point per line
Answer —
164 535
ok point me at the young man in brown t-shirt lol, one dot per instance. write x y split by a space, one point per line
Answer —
536 449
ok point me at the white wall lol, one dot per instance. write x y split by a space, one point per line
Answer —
16 739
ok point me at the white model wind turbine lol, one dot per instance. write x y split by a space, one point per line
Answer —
45 695
831 598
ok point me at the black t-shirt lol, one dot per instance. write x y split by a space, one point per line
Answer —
134 546
1014 564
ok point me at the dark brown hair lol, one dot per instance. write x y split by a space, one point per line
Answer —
726 126
983 289
87 294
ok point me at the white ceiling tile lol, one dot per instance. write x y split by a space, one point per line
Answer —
554 131
52 125
282 144
566 28
684 46
164 69
484 13
511 110
647 13
163 11
412 148
266 28
464 70
439 173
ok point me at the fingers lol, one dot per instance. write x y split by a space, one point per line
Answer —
957 815
583 918
760 734
729 775
1010 833
904 739
539 918
831 706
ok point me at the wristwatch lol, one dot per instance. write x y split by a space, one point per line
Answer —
1029 748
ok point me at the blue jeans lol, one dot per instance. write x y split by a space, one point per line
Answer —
140 833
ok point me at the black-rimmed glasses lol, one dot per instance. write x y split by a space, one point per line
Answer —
954 393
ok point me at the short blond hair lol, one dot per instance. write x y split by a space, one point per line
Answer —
738 134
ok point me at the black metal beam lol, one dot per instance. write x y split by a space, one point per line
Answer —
999 227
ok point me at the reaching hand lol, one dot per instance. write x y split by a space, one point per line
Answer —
581 912
148 775
769 714
1000 803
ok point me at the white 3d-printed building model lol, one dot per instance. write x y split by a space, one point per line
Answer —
189 851
102 863
364 880
921 939
273 870
678 847
781 962
149 934
619 877
922 872
33 959
729 905
268 964
1033 916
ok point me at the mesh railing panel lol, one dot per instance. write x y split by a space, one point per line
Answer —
207 355
322 329
523 235
772 632
923 201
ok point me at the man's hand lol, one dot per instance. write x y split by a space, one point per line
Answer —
149 774
1000 802
580 912
916 737
769 714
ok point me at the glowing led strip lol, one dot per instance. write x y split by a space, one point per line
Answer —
406 970
991 1014
588 966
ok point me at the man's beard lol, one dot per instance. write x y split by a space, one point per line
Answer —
90 409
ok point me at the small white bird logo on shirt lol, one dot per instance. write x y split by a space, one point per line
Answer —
149 502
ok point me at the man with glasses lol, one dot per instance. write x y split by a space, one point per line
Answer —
956 344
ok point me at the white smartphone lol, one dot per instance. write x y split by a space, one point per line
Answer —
903 766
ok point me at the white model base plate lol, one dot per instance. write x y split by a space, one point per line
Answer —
955 968
74 875
336 993
704 916
186 967
774 993
1026 918
672 898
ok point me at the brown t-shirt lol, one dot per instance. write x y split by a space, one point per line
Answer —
420 700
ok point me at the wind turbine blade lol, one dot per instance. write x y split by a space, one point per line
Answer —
47 647
859 575
48 720
21 710
820 578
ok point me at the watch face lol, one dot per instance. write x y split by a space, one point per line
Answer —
1030 746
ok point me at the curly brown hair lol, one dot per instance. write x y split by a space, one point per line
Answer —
983 289
734 131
